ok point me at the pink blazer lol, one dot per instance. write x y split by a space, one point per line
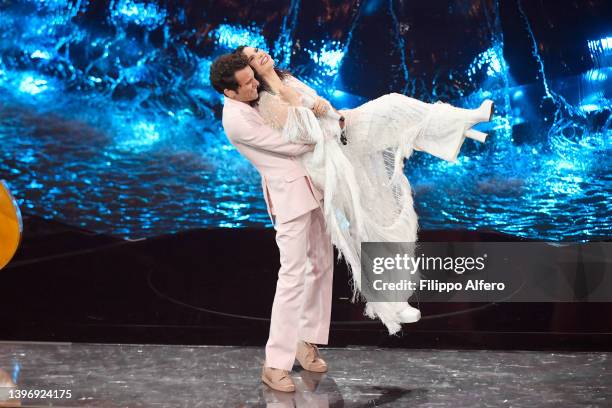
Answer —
288 190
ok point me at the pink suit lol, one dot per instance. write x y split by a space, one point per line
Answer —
302 302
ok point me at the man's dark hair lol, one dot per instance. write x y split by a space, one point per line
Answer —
223 70
263 85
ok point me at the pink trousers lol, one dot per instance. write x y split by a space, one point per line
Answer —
303 298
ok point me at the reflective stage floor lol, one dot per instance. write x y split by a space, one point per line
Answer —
121 375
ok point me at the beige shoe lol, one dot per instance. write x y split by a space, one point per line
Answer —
277 379
308 356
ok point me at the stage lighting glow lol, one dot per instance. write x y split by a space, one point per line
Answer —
604 44
490 59
16 371
596 75
33 86
143 135
535 50
328 57
35 184
590 107
284 43
53 3
41 54
230 36
140 13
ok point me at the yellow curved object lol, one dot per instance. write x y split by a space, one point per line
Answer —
11 225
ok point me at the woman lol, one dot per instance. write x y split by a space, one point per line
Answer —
358 163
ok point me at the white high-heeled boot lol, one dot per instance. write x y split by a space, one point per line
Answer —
409 314
484 113
476 135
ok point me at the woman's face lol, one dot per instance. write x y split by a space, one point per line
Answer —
259 60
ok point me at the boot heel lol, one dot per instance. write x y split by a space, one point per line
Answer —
476 135
487 107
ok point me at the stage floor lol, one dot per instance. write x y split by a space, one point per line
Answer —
130 375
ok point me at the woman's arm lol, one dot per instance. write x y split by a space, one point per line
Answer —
290 95
320 105
293 98
286 113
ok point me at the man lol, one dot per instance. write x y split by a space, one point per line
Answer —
301 310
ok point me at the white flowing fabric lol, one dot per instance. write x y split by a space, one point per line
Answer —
367 197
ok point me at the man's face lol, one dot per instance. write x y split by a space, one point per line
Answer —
247 86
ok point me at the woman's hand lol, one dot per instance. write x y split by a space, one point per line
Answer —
320 107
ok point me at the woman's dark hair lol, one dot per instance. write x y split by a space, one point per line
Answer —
263 85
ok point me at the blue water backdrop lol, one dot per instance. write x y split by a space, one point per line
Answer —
108 120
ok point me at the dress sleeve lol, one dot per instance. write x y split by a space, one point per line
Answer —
300 86
298 124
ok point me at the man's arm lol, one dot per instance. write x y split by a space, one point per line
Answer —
250 129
